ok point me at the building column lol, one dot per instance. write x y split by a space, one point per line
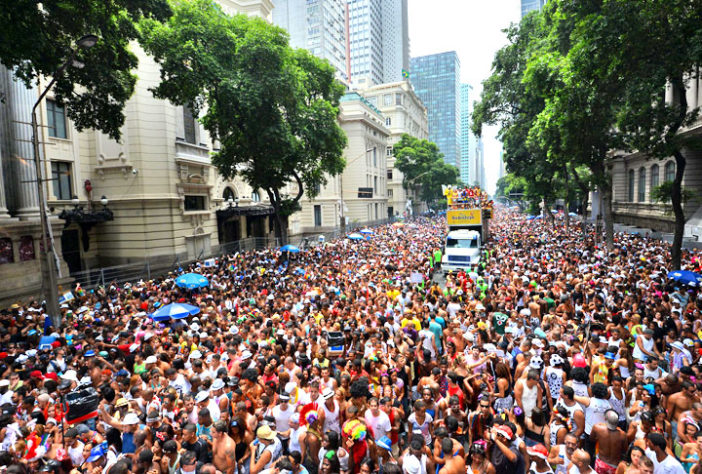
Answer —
18 153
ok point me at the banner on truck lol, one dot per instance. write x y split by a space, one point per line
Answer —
464 217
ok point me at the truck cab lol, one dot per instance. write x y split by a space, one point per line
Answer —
461 250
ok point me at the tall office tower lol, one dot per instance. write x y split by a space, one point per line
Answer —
318 26
366 42
464 164
436 80
378 41
395 40
530 5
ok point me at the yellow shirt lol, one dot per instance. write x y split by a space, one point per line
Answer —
414 321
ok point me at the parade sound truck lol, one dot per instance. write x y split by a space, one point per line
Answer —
468 213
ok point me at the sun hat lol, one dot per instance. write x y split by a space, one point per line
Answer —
539 451
265 432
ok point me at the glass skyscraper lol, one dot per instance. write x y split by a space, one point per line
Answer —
466 111
436 80
529 5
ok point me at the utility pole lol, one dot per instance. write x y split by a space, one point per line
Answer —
50 288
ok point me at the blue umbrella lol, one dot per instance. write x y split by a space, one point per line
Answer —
174 311
191 281
686 277
530 218
355 236
572 214
289 248
367 231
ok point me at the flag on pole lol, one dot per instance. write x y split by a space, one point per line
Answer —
405 74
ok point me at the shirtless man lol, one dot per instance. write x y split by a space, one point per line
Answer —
680 402
612 443
453 464
581 462
223 449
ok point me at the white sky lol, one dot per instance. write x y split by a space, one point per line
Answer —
472 28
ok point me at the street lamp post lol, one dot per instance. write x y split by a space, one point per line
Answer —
50 288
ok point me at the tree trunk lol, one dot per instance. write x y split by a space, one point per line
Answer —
606 190
278 227
567 197
547 210
676 199
680 94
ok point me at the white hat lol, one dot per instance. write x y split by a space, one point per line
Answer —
204 335
246 355
234 330
134 347
130 418
148 336
70 375
536 362
4 383
327 393
201 396
196 354
290 387
194 327
151 360
218 384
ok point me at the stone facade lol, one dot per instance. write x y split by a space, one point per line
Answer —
635 175
159 181
366 167
404 113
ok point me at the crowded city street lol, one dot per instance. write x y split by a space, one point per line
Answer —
553 355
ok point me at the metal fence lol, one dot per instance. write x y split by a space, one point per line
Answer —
162 265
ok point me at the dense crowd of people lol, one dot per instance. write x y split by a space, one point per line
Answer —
555 356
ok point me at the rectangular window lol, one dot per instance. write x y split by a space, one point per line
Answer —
189 125
317 215
375 156
398 98
389 193
390 175
375 185
194 203
56 118
632 183
388 151
61 180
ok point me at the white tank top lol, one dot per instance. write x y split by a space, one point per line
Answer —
595 413
580 389
529 397
648 345
331 418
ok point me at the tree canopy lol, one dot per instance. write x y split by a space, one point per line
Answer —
273 109
423 167
37 38
581 81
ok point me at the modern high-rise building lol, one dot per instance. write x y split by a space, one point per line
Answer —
436 80
318 26
464 164
366 42
396 58
378 41
530 5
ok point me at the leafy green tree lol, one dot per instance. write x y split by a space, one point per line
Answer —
37 38
272 109
651 122
423 167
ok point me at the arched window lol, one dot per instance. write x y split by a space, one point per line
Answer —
669 171
632 183
228 193
255 197
654 176
642 185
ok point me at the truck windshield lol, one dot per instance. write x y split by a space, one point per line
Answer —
461 243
